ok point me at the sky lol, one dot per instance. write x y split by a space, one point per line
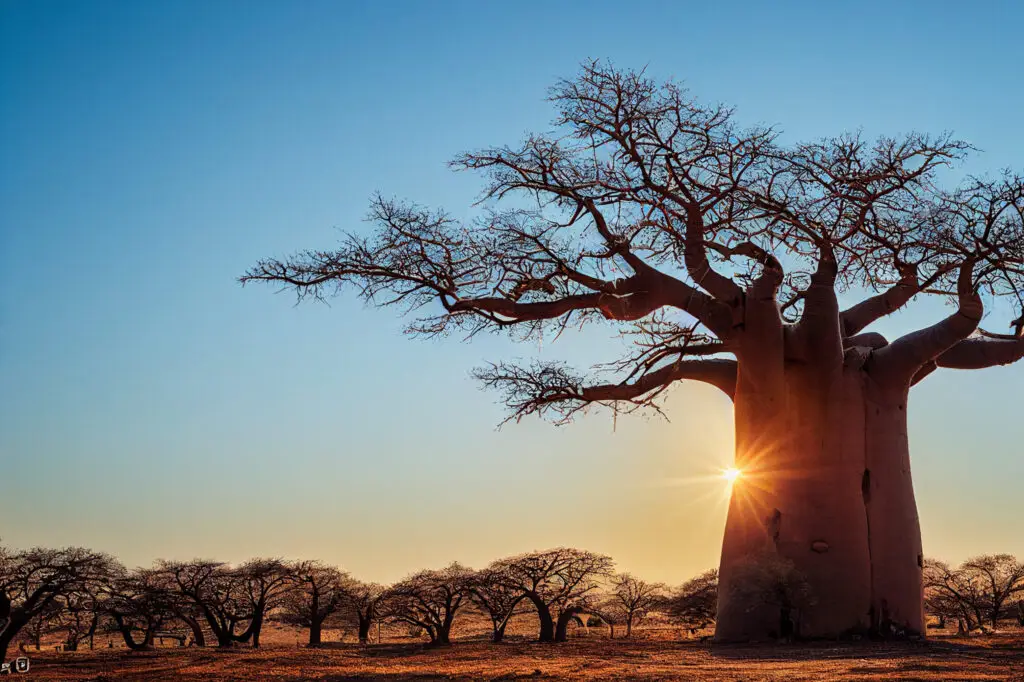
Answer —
151 407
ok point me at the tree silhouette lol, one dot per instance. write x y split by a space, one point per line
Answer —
215 591
31 581
496 594
695 602
721 253
631 599
316 592
979 591
430 600
364 600
139 604
560 583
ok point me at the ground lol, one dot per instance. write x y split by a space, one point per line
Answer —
657 654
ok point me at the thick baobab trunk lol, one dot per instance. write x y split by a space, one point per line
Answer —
894 531
826 487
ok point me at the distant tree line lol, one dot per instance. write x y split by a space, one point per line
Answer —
76 594
978 594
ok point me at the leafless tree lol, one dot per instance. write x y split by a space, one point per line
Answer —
139 604
430 600
560 582
695 602
633 598
217 592
81 612
498 596
185 609
1002 577
720 253
978 592
32 581
317 592
264 584
364 601
44 623
952 593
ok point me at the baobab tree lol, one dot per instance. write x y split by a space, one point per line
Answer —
721 253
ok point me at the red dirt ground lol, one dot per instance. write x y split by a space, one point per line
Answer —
989 657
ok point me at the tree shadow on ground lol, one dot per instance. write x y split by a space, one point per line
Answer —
991 652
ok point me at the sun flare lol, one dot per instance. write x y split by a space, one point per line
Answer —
731 474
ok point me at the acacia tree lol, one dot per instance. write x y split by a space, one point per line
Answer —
633 598
695 602
560 583
498 596
32 581
216 591
364 600
721 253
430 600
139 606
80 613
264 583
953 593
316 592
1002 577
980 590
182 606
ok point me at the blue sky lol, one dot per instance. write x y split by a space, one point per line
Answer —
151 407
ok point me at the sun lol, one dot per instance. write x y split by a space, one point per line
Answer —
731 474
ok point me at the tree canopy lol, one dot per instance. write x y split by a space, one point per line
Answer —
663 214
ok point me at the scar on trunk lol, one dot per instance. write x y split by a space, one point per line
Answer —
865 486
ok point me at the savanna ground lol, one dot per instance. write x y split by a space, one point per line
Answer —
656 652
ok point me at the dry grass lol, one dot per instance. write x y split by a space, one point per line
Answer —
990 657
